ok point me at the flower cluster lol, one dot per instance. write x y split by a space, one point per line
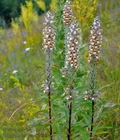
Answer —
67 13
72 45
46 87
95 41
67 94
48 32
88 95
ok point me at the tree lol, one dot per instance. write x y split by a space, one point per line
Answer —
10 9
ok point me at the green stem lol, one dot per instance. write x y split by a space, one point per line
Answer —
70 115
92 120
50 116
49 75
92 88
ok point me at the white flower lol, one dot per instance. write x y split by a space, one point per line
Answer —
15 71
27 49
92 98
1 89
24 42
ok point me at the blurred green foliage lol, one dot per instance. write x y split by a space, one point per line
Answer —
23 105
11 9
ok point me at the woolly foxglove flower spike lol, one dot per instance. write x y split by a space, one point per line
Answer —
48 44
49 32
67 13
95 41
72 45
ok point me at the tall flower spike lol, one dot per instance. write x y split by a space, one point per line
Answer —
48 44
67 13
95 41
72 45
48 32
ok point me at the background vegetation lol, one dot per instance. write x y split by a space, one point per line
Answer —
23 105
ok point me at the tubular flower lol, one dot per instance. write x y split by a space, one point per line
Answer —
67 13
95 41
48 32
72 45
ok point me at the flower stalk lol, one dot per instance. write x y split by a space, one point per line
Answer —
70 113
72 38
94 56
92 89
48 44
